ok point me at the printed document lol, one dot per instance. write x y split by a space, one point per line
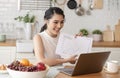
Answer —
68 45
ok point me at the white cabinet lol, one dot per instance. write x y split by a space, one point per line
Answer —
96 49
115 52
7 54
27 55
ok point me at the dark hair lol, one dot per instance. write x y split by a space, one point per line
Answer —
49 13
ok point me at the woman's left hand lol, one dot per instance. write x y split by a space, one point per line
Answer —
79 34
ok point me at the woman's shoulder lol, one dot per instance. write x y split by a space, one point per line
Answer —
37 36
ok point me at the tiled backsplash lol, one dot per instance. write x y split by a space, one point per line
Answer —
7 11
9 26
11 30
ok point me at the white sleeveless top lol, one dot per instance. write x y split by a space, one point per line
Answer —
49 44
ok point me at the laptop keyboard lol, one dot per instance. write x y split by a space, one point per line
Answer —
66 70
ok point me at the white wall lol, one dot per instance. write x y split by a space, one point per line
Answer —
99 19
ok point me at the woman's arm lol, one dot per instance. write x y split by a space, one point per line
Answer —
39 53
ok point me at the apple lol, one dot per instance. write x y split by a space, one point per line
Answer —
41 66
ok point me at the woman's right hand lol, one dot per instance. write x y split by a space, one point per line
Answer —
72 59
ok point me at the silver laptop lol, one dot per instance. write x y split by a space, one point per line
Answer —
87 63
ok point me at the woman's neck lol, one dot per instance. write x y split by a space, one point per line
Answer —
52 35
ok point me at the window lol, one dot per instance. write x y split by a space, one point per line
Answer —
34 4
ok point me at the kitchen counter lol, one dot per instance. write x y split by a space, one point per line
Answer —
107 44
8 43
95 44
102 74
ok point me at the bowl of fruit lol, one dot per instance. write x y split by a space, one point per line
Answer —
20 69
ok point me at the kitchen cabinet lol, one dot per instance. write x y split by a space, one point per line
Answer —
115 52
30 56
7 54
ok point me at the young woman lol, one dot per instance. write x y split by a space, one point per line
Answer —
45 42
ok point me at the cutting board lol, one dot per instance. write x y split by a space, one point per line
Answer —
98 4
117 35
117 27
108 34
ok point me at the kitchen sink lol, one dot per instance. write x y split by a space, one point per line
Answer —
24 45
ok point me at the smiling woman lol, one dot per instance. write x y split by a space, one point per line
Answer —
46 41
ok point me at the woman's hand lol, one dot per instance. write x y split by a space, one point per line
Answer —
72 59
79 34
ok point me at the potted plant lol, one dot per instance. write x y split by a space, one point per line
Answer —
26 19
29 21
97 35
84 32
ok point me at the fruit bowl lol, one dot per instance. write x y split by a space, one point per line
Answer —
25 74
24 69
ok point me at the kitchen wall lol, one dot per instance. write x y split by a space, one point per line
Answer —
99 19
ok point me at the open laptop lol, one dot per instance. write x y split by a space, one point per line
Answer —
87 63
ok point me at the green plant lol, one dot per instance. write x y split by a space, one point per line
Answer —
84 32
97 31
26 19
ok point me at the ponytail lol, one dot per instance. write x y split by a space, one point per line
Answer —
44 27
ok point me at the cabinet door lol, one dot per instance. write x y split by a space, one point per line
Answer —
7 54
115 54
98 49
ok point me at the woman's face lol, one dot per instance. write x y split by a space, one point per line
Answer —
55 24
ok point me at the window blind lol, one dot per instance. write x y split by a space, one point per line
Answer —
34 4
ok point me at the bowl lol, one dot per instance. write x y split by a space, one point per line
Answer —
21 74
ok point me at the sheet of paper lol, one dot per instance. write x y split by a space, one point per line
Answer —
68 45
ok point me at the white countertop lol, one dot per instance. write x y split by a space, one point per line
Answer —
5 76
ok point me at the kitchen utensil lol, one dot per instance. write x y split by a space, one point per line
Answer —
79 10
53 3
108 4
117 31
72 4
117 27
88 12
117 35
108 35
117 4
98 4
61 3
91 6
